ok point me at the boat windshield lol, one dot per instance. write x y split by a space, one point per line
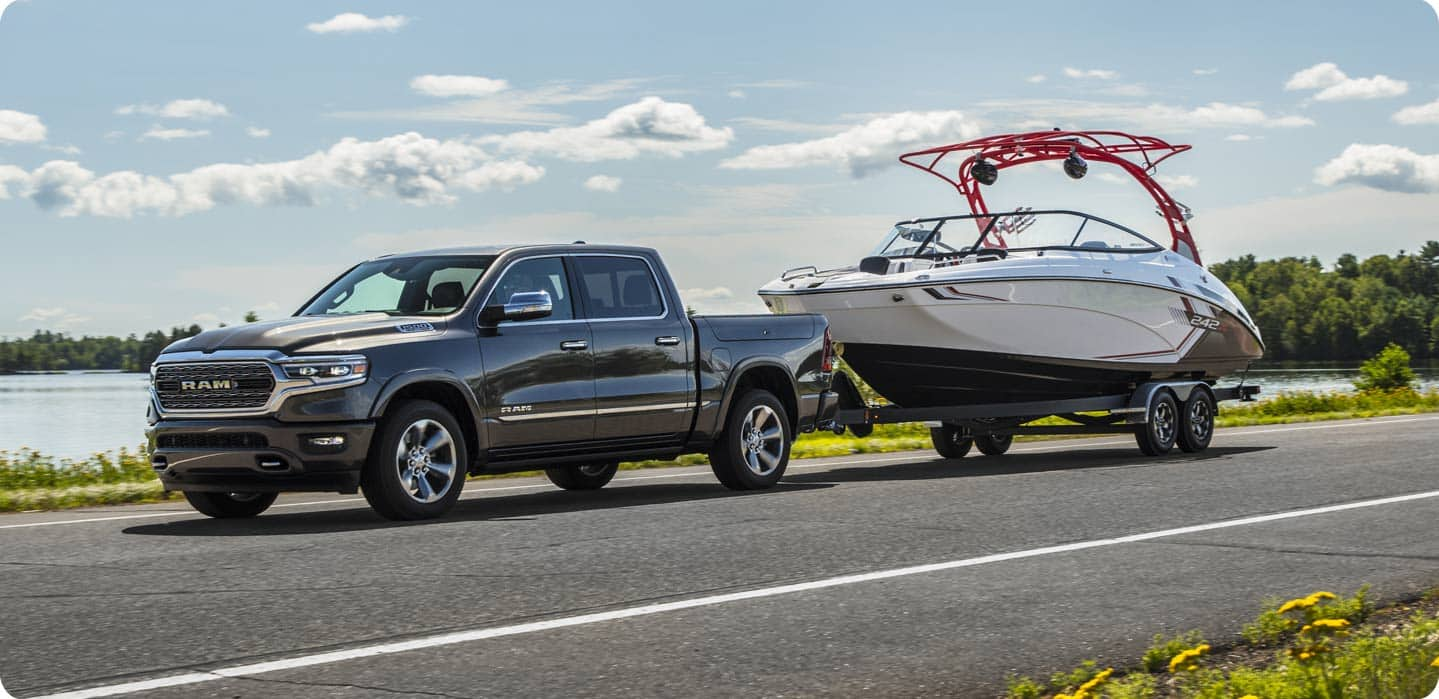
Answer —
1020 230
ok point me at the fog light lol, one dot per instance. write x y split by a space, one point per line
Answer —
334 440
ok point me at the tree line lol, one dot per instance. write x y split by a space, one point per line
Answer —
1349 311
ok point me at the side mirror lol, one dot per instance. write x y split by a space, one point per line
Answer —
524 305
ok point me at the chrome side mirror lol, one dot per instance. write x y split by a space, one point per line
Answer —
528 305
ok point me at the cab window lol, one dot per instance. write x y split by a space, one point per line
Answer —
619 287
540 274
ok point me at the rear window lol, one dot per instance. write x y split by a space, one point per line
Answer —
619 287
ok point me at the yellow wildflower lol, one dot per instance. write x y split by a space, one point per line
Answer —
1330 623
1435 663
1186 659
1305 602
1322 595
1250 696
1095 681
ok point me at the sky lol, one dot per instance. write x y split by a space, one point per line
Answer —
167 163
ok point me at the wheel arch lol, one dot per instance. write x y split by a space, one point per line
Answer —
767 373
440 387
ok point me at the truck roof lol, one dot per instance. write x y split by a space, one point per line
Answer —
499 249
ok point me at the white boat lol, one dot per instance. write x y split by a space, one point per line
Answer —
1024 306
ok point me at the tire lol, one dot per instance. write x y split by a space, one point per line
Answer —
583 476
1196 421
402 478
752 451
1156 436
951 441
231 505
993 444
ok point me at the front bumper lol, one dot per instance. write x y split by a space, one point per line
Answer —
258 455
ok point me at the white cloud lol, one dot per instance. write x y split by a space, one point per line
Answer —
409 166
256 132
650 125
1418 114
178 109
8 174
603 183
1092 73
736 94
1036 78
1126 90
1205 71
1382 166
157 133
1178 181
56 318
1328 223
1334 85
354 23
528 106
1239 137
19 127
862 149
457 85
1160 117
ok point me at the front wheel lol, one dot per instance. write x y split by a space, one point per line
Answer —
417 463
231 505
1196 421
951 441
1156 436
993 444
753 450
583 476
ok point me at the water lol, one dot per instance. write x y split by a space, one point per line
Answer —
76 414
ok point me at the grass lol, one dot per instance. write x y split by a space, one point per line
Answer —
1320 646
30 480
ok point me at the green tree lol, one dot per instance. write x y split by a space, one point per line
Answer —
1387 371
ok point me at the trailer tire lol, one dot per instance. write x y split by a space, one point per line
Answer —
1196 421
951 441
993 444
1157 435
753 450
583 476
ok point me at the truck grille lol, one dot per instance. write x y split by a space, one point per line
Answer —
213 385
220 440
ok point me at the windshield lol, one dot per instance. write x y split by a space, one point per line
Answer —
1022 229
418 286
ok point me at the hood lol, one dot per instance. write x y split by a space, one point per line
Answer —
303 334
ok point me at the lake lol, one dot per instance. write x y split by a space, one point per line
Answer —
75 414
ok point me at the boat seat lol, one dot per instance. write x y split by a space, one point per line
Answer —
874 265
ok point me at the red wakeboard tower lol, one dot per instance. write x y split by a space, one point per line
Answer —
994 153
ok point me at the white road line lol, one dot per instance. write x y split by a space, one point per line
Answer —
453 638
478 492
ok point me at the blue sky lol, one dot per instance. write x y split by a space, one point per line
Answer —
171 162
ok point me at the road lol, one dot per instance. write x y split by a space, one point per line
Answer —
872 575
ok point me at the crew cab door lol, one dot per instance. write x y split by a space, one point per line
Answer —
644 378
539 374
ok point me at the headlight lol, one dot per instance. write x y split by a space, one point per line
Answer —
327 370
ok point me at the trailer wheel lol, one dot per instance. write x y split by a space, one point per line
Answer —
753 450
951 441
1156 436
993 444
1196 421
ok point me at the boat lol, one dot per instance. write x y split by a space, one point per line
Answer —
1028 305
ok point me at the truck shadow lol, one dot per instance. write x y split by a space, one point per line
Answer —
498 508
1010 464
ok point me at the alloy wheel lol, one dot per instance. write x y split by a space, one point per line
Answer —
762 440
425 460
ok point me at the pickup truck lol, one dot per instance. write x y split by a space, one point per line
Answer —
410 371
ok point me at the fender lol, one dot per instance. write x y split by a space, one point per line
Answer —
732 382
1138 412
416 376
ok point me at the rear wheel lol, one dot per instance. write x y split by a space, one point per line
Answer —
231 505
583 476
1156 436
417 463
753 450
1196 421
993 444
951 441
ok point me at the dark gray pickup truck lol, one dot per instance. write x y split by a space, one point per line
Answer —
410 371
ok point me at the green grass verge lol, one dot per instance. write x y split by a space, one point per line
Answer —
30 480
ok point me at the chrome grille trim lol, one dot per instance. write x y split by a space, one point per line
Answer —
254 382
242 362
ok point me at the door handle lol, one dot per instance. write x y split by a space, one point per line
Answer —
667 340
574 345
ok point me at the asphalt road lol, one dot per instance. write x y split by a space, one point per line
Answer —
874 575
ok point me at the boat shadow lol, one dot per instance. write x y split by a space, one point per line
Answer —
976 465
498 508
